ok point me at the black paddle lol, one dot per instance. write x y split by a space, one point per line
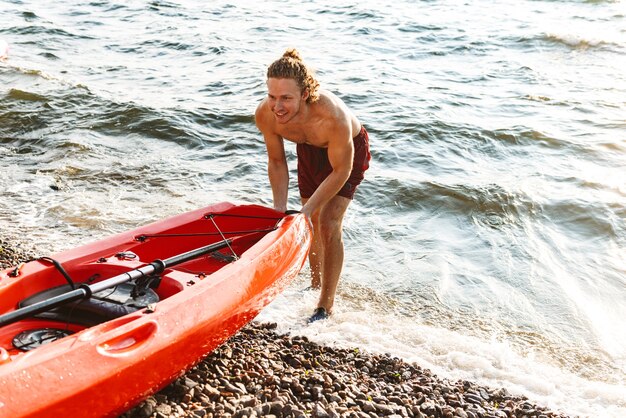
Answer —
85 291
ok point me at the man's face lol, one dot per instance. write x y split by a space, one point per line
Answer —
285 98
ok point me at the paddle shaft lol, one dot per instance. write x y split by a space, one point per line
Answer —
85 291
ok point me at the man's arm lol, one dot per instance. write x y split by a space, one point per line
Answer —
277 169
340 156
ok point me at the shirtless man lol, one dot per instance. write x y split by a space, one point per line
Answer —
333 154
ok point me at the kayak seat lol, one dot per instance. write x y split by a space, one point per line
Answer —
100 307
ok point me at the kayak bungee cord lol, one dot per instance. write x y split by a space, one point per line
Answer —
16 271
234 215
211 217
59 267
143 237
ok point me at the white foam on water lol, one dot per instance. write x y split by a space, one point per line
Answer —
449 354
4 49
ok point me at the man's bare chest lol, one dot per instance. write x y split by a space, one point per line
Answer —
297 135
300 137
302 134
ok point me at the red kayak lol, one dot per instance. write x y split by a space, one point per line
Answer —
92 331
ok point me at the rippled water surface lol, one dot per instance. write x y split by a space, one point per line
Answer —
488 241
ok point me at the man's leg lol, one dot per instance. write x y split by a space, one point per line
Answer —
327 262
316 253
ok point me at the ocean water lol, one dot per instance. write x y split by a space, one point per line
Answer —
488 241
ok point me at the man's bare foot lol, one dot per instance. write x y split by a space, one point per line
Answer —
318 314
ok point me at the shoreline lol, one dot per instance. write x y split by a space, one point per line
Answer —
259 372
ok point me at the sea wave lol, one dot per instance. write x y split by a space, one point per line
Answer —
570 41
47 31
577 42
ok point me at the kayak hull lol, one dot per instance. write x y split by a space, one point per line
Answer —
105 369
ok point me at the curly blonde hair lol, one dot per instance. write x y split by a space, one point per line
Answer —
290 65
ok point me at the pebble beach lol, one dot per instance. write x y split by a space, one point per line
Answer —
260 373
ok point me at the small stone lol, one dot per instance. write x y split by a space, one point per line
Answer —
249 401
286 382
276 408
297 388
316 392
484 394
234 389
475 399
334 398
210 391
459 412
319 412
297 413
190 383
246 412
145 410
164 409
384 409
417 413
428 408
368 407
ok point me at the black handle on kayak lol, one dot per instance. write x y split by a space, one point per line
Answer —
85 291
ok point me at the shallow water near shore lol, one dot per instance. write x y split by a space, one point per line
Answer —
488 240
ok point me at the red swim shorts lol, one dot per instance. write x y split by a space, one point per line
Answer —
314 167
